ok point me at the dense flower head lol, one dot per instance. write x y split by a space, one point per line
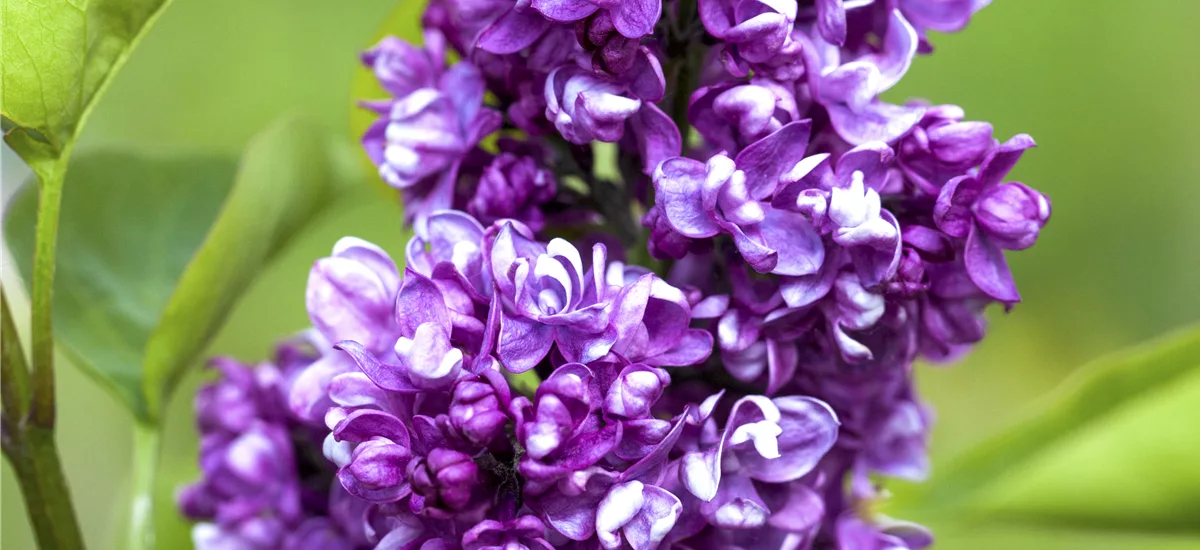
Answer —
672 266
264 484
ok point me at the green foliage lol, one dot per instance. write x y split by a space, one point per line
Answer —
289 174
128 229
141 289
58 56
1113 449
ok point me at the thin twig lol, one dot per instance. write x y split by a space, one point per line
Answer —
14 370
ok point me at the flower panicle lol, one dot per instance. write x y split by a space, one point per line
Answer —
738 377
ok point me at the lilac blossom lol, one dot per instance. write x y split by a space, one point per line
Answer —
256 488
541 372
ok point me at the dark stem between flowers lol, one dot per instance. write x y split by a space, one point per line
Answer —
611 199
682 62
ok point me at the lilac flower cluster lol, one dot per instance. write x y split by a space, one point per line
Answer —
750 385
265 484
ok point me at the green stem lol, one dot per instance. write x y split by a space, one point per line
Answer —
14 371
34 458
49 201
29 407
145 468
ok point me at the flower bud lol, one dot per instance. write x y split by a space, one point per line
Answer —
445 479
477 410
1012 214
376 473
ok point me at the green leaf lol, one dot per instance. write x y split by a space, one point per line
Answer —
58 57
1116 447
128 229
289 174
143 282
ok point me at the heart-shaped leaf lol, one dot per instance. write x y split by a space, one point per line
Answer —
58 56
1117 447
143 282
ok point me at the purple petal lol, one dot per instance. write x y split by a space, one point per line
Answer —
657 136
809 429
659 511
952 212
802 513
564 11
700 472
988 268
831 21
871 158
420 301
514 31
758 255
523 343
651 467
799 247
693 348
677 184
636 18
389 377
765 160
1001 161
366 424
875 121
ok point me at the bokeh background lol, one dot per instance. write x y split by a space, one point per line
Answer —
1109 89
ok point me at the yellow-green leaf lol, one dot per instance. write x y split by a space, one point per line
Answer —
57 58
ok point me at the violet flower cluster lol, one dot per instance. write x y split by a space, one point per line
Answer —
802 243
265 483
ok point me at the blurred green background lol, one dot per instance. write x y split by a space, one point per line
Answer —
1107 88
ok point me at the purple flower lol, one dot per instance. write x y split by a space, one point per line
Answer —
635 391
549 299
753 31
636 514
513 187
424 133
631 18
731 116
993 217
585 106
612 53
942 147
376 469
445 481
848 83
522 533
402 68
257 490
478 410
351 295
828 241
772 440
725 196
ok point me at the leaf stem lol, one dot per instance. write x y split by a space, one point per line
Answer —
50 179
145 468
